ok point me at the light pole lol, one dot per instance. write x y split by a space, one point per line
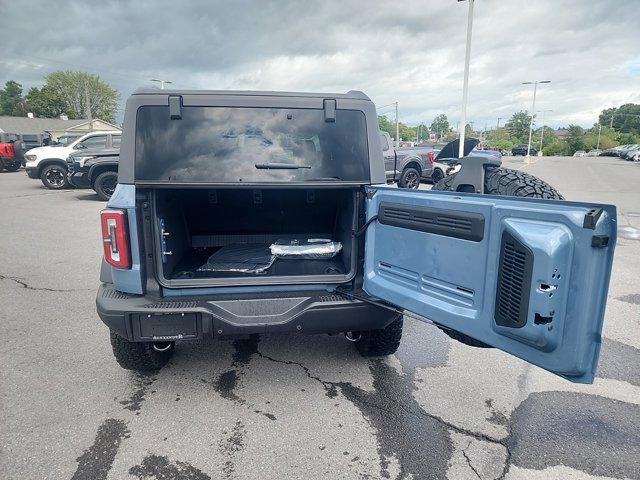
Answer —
533 110
465 83
397 127
498 123
161 82
599 131
542 132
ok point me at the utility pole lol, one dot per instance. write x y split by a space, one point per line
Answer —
533 110
465 82
599 131
611 121
161 82
87 105
542 131
498 123
397 127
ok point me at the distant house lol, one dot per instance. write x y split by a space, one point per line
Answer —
561 132
55 126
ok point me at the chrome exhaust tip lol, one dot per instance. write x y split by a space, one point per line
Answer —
162 346
353 336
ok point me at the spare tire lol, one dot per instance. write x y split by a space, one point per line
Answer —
19 149
508 183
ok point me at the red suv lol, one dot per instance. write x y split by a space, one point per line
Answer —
11 151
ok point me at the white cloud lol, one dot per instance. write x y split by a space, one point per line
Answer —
412 52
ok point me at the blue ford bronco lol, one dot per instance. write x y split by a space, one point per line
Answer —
250 212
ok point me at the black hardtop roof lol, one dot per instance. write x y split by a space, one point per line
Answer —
351 94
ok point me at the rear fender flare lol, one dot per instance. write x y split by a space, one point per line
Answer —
98 168
414 162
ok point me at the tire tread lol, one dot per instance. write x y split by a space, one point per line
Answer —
138 356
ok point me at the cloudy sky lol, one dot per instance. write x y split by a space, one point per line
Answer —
412 52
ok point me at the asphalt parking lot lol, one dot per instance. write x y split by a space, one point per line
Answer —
297 406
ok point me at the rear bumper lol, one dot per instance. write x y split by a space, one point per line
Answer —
140 318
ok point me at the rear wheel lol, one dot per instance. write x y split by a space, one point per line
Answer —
105 185
10 165
382 342
437 175
140 356
410 178
54 177
509 183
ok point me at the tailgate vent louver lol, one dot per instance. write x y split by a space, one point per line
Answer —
439 221
514 282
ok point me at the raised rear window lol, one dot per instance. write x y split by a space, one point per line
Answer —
254 145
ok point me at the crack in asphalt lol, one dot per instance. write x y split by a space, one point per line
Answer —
24 284
332 387
464 453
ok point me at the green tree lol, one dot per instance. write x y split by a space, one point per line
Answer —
628 138
386 125
45 102
608 138
626 118
547 139
440 125
11 101
518 125
501 138
470 132
73 88
557 147
575 139
407 133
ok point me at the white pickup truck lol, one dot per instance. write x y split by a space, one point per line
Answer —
49 163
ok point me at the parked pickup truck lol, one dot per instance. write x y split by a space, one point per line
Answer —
49 164
255 212
97 169
409 165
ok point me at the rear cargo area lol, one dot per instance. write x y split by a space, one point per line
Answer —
224 236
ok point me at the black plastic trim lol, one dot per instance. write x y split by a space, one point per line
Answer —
439 221
514 282
175 107
591 218
133 316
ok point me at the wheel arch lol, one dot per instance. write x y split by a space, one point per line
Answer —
99 168
413 163
50 161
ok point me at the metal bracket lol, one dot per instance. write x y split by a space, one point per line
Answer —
471 173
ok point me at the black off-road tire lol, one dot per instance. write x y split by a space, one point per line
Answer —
437 175
54 177
102 185
139 356
9 165
509 183
409 178
383 342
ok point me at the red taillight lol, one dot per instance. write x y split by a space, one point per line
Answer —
431 157
115 237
